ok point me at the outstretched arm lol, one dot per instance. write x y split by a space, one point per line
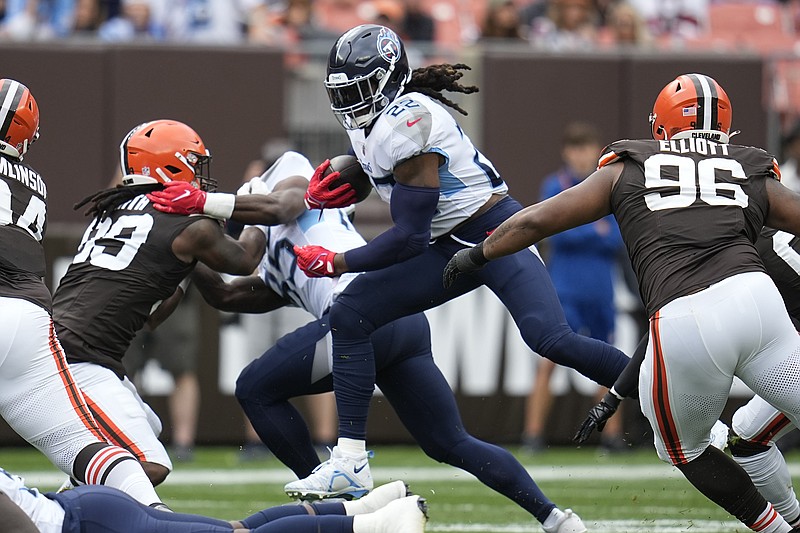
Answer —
578 205
13 519
284 204
205 241
242 295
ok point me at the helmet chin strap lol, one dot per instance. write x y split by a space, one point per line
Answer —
7 149
137 179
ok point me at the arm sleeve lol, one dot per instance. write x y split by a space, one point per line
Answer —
627 384
412 210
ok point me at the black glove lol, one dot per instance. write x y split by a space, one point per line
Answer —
466 260
597 418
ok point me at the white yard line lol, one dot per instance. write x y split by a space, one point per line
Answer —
602 526
49 480
433 473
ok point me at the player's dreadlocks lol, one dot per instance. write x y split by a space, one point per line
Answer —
434 79
105 201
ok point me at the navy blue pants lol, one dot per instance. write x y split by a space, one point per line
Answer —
520 281
101 509
413 385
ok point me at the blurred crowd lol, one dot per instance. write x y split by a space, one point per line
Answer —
556 25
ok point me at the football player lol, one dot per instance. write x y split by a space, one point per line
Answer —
757 426
131 258
300 362
444 195
95 509
690 206
38 395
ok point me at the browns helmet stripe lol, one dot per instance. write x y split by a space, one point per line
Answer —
10 95
707 100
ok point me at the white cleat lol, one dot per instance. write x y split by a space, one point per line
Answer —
67 485
719 435
406 515
340 476
378 498
568 522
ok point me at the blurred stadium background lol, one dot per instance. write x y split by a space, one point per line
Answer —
260 91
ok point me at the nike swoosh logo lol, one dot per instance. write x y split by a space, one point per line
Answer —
360 468
410 123
320 264
183 195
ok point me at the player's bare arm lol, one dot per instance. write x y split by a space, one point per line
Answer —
586 202
248 294
13 519
784 208
205 241
164 309
284 204
278 207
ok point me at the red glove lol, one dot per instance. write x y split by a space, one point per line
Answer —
179 197
319 195
315 261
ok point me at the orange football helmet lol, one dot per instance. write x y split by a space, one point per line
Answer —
19 118
165 150
692 105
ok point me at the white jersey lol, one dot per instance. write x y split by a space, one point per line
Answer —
413 125
47 514
329 228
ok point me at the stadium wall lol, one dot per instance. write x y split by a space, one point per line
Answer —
90 95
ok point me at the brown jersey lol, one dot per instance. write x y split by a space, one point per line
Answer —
23 219
689 211
780 252
124 266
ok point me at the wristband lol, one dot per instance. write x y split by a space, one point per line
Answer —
184 284
613 391
476 255
219 205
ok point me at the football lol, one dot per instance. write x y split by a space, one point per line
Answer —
350 171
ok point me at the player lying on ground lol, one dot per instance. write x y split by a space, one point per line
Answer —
98 509
300 362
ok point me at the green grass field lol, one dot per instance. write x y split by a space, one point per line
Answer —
621 493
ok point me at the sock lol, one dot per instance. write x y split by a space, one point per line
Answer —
366 523
725 483
103 464
316 524
771 477
552 520
769 521
292 509
352 447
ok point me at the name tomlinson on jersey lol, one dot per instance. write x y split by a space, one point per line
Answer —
699 146
27 176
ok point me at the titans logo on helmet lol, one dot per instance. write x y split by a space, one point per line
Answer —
388 45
